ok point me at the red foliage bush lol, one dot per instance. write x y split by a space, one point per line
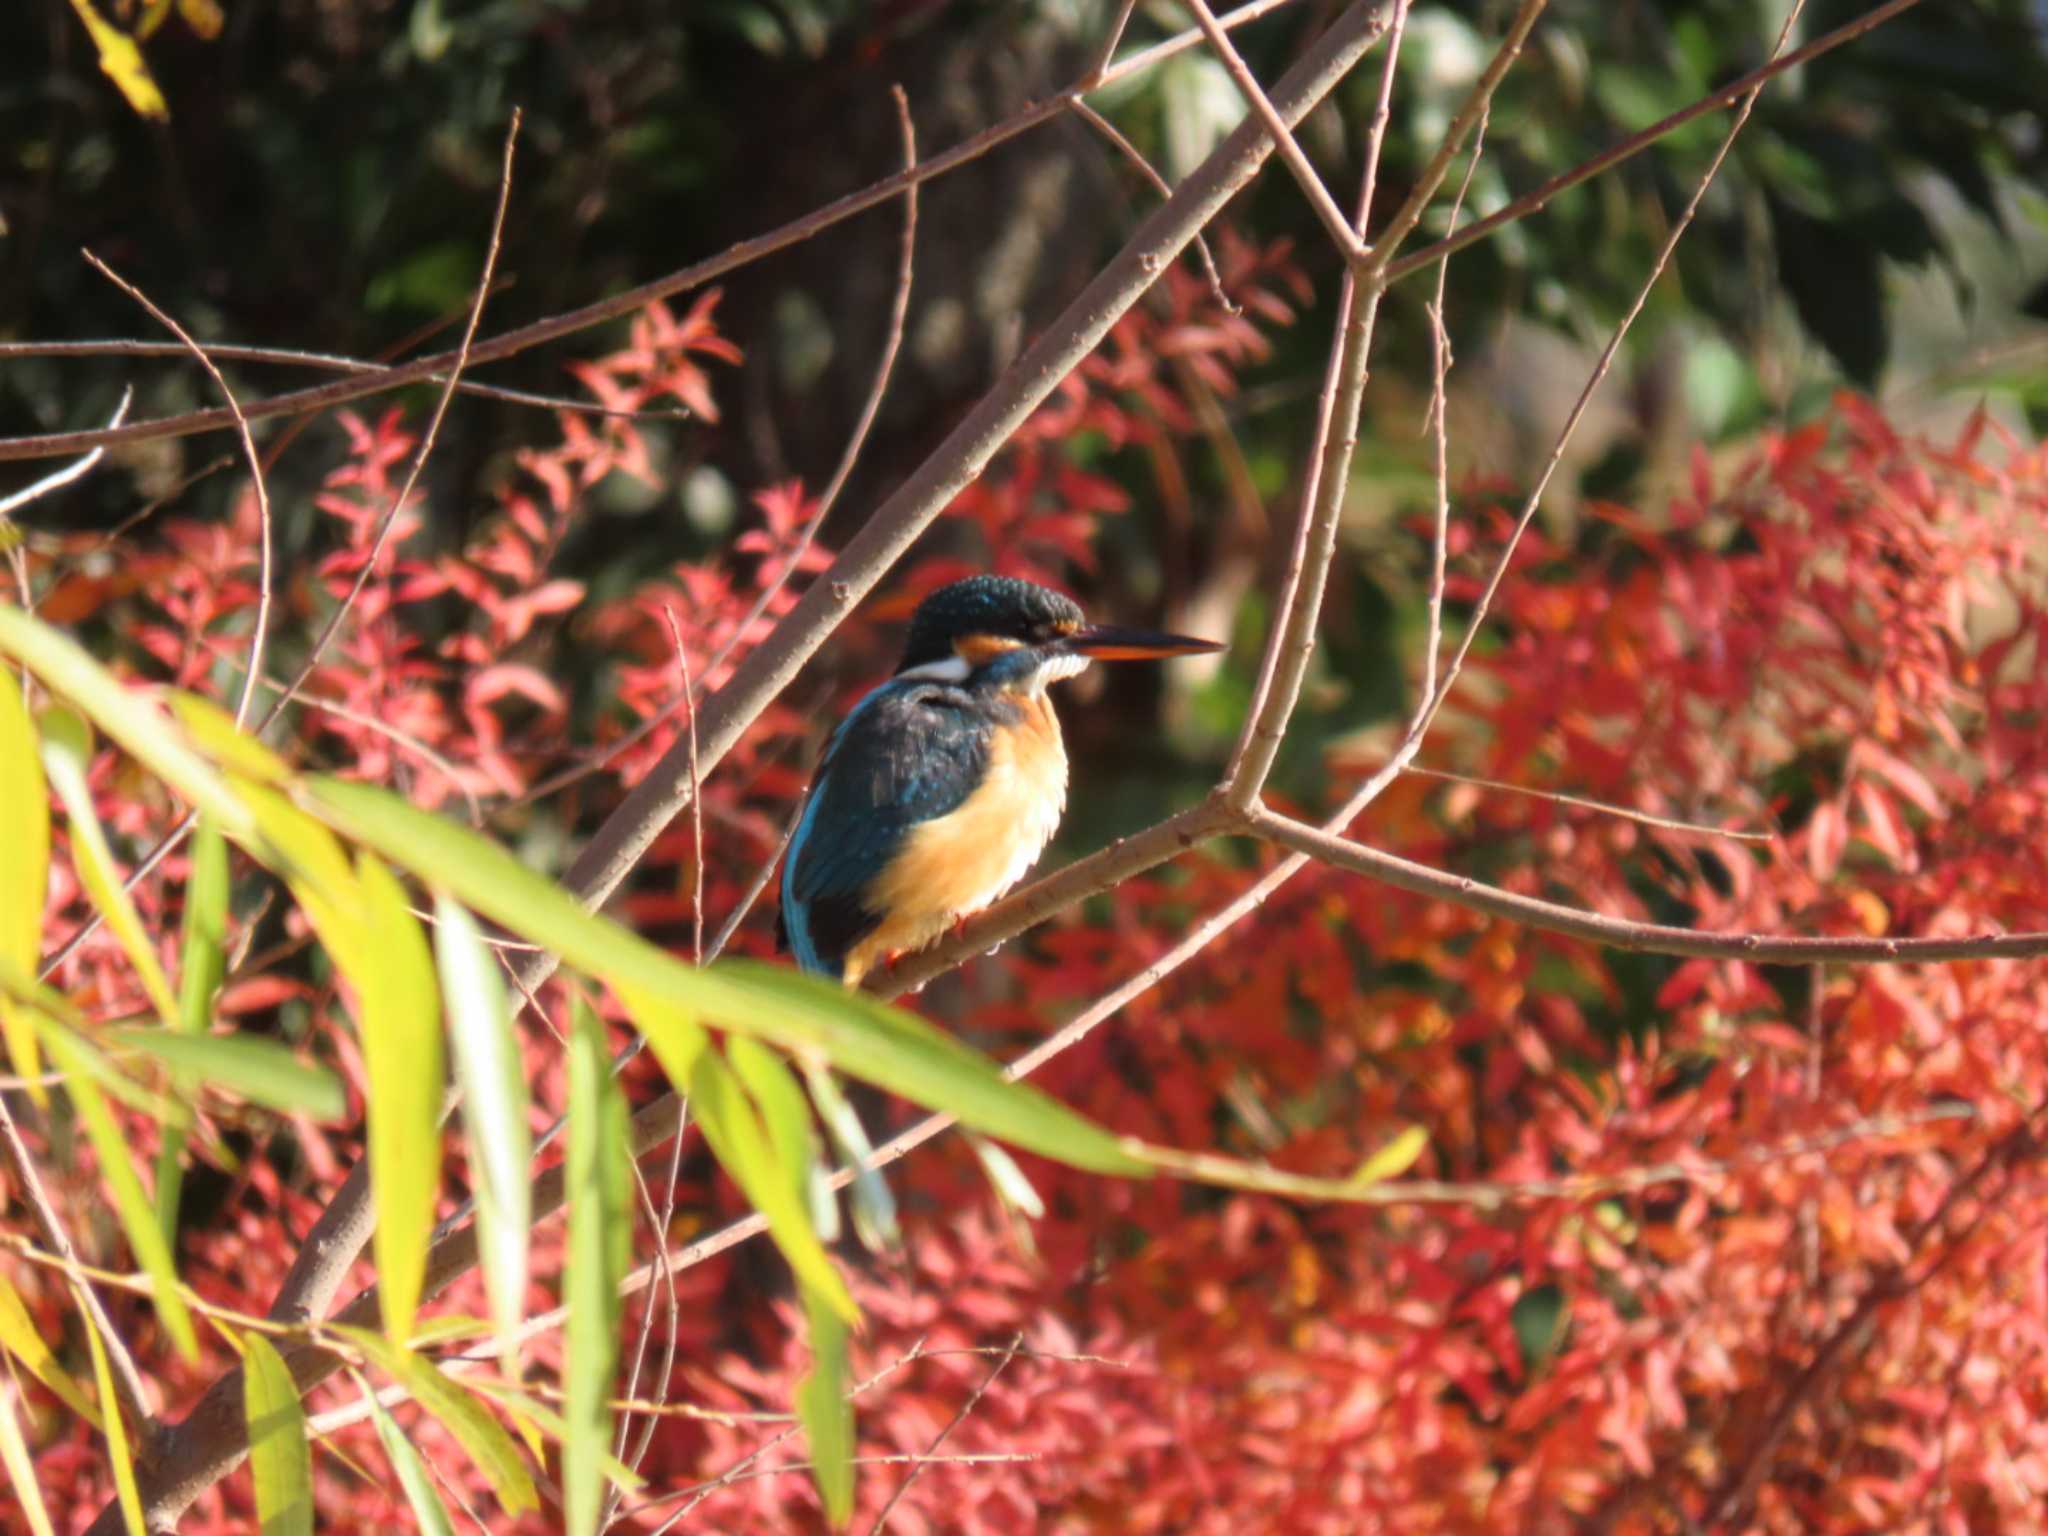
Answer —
1719 1245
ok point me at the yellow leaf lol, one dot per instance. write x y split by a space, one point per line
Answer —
118 1451
14 1456
123 62
19 1338
1393 1159
25 877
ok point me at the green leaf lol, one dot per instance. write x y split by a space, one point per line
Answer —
214 732
1010 1184
782 1106
24 874
280 1454
482 1437
20 1472
264 1072
318 871
803 1014
401 1028
536 1418
131 718
874 1208
494 1110
825 1405
67 753
600 1247
427 1508
18 1336
118 1452
201 968
138 1218
734 1133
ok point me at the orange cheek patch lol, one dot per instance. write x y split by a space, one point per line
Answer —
980 650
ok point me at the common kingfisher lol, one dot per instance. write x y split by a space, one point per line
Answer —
944 784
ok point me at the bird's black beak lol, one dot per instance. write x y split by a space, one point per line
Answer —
1110 642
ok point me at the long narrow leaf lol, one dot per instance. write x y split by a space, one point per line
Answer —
494 1110
202 965
874 1208
600 1246
133 719
427 1507
67 753
24 873
126 1491
401 1028
486 1441
824 1405
280 1454
18 1336
861 1036
726 1117
138 1218
14 1457
262 1071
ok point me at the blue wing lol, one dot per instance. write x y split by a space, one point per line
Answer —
909 752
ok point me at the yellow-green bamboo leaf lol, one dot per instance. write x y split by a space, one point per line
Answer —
494 1115
122 61
67 754
24 873
280 1454
214 732
138 1218
133 719
20 1471
734 1133
482 1437
313 862
874 1208
825 1406
202 966
401 1030
600 1246
118 1452
427 1507
265 1072
19 1338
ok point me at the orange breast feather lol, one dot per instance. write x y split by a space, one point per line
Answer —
960 862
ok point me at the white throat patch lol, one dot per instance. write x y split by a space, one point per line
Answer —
1057 669
947 669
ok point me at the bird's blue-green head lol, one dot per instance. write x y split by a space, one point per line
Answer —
1001 632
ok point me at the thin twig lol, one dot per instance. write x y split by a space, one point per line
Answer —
966 1410
1144 168
57 479
1339 229
675 632
28 1178
329 362
1100 67
1603 807
261 630
419 459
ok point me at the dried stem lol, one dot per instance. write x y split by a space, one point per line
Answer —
1291 154
265 582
